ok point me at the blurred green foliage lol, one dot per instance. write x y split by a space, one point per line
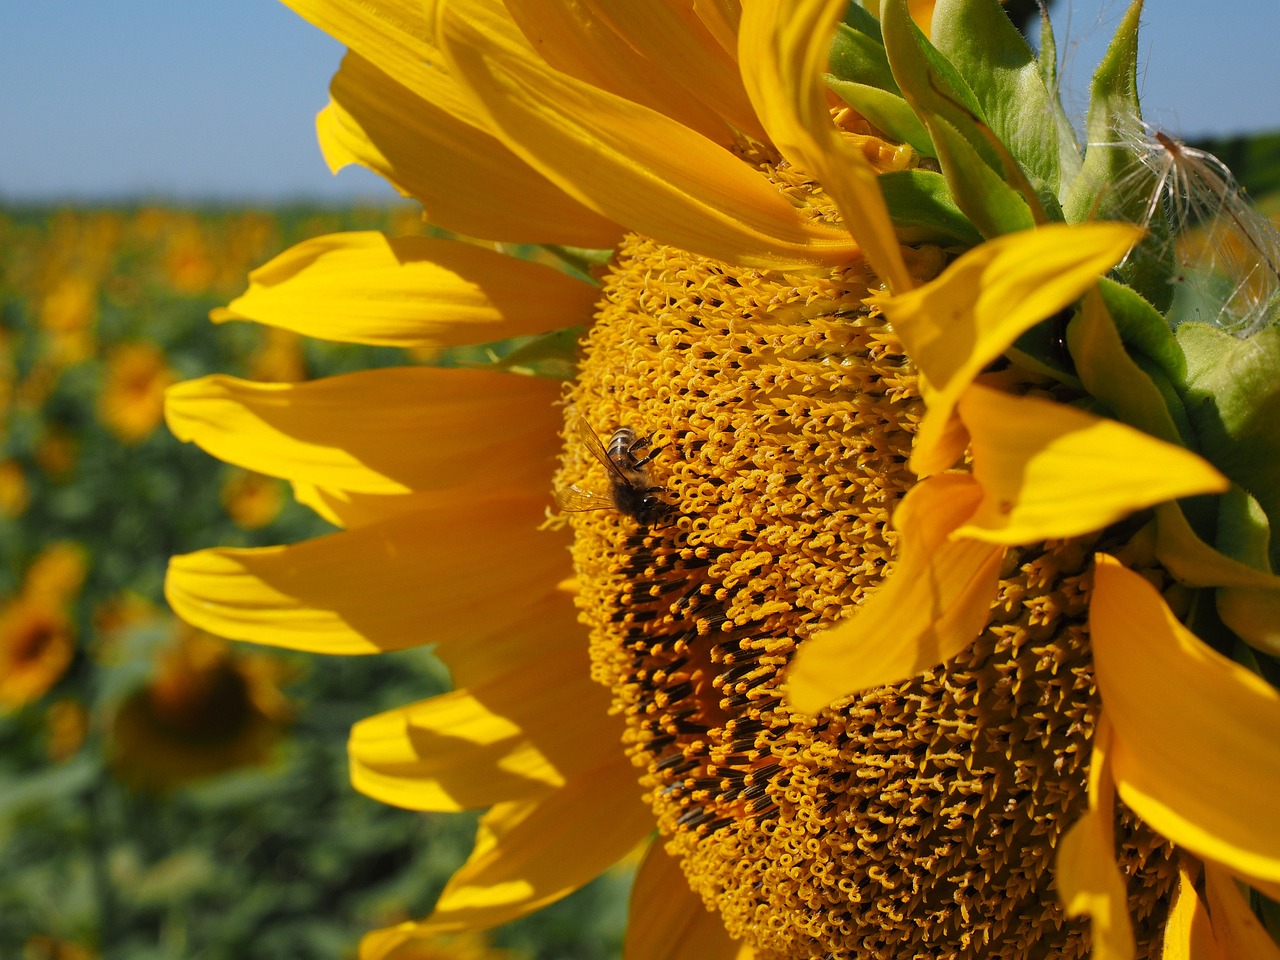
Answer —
281 859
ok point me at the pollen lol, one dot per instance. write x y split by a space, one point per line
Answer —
915 820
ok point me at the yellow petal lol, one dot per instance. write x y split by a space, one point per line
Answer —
1089 880
669 920
467 568
578 39
466 180
676 40
422 428
1237 928
957 324
408 292
515 737
1188 931
721 18
1049 470
533 852
1197 752
631 164
394 36
785 44
935 600
1196 563
346 510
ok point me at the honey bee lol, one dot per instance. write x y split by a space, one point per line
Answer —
631 491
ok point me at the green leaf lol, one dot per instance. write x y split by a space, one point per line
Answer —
984 46
887 111
922 210
1232 393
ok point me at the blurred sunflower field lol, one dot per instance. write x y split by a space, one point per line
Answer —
164 794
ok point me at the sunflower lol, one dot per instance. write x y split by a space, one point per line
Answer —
37 635
132 400
206 710
918 586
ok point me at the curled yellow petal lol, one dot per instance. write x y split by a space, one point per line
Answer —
1089 879
468 428
1188 931
668 920
515 737
1048 470
1238 930
1197 752
466 180
785 42
520 863
414 580
408 292
957 324
631 164
935 600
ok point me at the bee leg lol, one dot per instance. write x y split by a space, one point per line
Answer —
648 456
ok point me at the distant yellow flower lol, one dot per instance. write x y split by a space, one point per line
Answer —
15 495
41 947
889 467
37 644
188 262
278 359
207 709
131 404
67 314
57 572
251 499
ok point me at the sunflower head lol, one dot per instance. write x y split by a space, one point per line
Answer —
883 448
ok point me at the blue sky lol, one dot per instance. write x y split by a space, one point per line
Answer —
194 101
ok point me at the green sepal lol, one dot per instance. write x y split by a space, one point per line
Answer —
980 41
1186 554
1107 186
859 18
1243 531
1245 535
927 79
1143 329
860 58
950 112
1107 369
1069 153
552 355
922 210
887 111
1232 394
993 206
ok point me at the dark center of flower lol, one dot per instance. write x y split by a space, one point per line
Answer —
919 819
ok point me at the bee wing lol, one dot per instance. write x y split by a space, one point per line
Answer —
576 500
599 451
